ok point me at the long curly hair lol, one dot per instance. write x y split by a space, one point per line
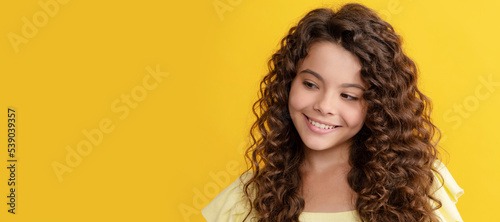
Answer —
391 156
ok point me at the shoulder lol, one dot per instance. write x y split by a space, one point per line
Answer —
230 204
448 192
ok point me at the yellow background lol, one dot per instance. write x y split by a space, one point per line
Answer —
181 144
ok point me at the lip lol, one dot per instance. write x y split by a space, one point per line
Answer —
318 121
318 130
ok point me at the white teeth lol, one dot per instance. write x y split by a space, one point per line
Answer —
321 125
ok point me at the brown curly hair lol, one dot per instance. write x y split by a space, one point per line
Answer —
391 156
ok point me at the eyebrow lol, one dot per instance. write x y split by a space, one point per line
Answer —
344 85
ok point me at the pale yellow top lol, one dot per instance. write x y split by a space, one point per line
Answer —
231 205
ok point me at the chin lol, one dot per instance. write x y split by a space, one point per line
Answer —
316 145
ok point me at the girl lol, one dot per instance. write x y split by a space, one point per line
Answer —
342 131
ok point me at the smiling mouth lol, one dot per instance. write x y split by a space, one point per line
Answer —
321 125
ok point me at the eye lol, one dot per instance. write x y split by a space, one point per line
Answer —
309 84
348 97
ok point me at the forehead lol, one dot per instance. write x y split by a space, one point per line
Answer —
332 62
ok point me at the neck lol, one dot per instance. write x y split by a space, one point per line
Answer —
321 161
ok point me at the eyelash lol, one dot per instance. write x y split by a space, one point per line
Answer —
348 97
308 84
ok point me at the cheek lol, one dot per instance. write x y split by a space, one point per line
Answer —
297 98
295 102
354 115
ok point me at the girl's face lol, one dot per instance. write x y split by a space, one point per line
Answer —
325 101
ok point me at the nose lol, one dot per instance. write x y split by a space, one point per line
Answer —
327 104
